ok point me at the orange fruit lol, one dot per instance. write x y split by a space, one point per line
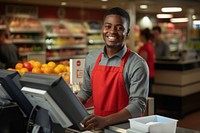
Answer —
47 70
66 77
22 71
44 65
67 69
62 67
51 64
37 64
57 69
36 70
19 66
32 62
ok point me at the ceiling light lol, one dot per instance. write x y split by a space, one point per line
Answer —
63 3
104 0
196 22
164 15
145 22
194 17
179 20
143 6
171 9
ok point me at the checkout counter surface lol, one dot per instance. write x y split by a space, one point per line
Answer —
121 128
177 65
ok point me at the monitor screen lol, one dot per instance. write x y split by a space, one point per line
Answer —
10 90
52 93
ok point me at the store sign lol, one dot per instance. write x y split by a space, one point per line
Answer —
22 10
76 70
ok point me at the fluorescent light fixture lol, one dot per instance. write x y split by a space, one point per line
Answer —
63 3
143 6
104 0
196 22
164 15
179 20
171 9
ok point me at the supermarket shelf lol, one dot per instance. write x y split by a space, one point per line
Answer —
77 46
2 27
78 35
65 58
96 41
26 30
32 53
58 35
93 31
64 35
27 41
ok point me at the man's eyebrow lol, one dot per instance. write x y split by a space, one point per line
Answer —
107 23
112 24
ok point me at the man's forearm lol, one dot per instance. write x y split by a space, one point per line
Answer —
118 117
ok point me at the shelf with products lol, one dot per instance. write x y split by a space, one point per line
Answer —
2 24
183 44
175 35
3 27
194 41
94 36
27 34
59 53
61 58
65 39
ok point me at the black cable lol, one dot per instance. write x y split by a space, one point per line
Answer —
29 119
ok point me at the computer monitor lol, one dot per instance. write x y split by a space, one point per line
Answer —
52 93
10 90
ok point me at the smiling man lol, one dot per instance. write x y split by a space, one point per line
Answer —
115 76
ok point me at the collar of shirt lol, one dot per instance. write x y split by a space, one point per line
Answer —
120 54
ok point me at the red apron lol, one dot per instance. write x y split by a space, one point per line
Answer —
109 91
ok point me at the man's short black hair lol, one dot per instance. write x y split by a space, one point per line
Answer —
157 28
118 11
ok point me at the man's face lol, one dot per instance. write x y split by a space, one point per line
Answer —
156 34
114 31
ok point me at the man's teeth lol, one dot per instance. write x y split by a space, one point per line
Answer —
112 38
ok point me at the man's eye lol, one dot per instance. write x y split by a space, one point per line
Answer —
107 26
120 28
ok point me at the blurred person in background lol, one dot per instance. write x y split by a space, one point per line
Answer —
9 55
148 53
161 46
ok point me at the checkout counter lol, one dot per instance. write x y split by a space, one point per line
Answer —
122 128
177 87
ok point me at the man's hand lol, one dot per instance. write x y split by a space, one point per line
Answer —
94 122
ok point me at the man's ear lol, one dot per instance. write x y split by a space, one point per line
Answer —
127 34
